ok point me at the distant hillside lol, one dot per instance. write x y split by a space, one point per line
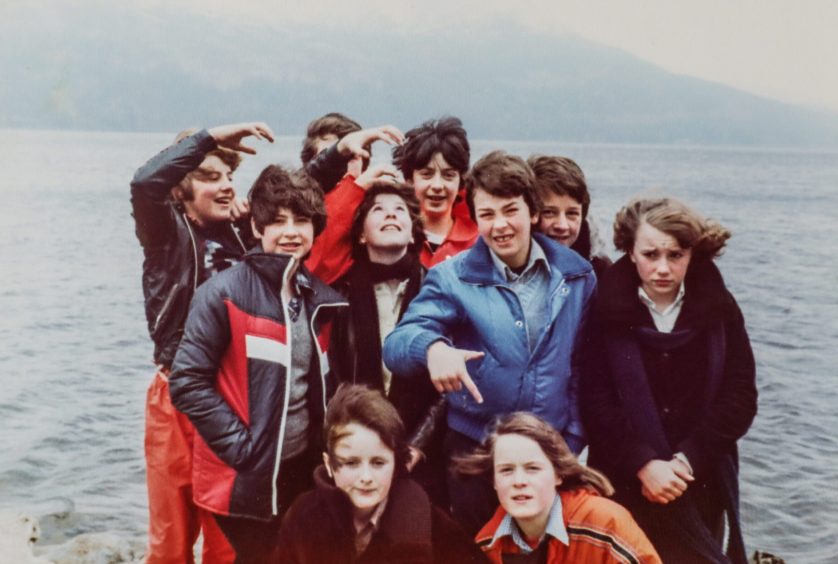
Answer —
116 68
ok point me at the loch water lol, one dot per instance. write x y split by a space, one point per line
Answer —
75 358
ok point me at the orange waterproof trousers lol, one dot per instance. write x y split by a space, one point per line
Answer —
174 520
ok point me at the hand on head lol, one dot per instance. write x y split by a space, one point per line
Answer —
358 143
231 136
378 173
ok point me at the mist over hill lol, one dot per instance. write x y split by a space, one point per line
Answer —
110 67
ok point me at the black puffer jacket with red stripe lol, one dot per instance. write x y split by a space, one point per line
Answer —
231 378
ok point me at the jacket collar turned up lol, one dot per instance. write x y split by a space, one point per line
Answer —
706 299
271 267
477 266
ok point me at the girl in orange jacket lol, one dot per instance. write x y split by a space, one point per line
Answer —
552 509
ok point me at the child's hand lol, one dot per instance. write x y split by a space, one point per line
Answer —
230 136
358 143
239 208
416 455
375 174
663 481
447 367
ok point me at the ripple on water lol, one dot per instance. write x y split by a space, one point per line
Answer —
74 395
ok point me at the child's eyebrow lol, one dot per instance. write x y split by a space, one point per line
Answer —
206 171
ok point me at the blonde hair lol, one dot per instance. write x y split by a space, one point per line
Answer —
182 191
692 231
573 474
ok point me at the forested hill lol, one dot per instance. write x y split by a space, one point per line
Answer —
111 67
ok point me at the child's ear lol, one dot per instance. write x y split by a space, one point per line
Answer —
326 464
255 229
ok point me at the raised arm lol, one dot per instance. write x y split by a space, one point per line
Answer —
347 154
331 254
153 182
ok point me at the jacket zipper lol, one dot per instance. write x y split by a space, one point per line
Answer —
288 369
167 303
194 252
319 349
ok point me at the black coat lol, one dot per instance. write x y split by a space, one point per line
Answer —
169 241
414 398
319 529
700 418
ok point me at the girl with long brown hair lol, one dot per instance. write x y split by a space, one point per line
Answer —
552 508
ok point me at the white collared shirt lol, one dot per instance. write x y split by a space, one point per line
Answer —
664 320
389 301
555 528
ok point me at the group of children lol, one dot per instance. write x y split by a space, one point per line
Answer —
444 308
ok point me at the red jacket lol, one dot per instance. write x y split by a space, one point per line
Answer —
462 236
331 254
600 530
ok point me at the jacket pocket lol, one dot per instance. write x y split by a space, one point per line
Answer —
492 382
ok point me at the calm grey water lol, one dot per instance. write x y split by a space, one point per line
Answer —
75 359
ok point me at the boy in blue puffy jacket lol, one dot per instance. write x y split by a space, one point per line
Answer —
497 326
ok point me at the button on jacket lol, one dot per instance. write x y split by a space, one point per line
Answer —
467 303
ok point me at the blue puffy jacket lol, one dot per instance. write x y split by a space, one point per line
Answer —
466 302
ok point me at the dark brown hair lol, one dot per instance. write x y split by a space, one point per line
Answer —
567 467
445 135
560 176
333 123
408 195
503 175
277 188
692 231
369 408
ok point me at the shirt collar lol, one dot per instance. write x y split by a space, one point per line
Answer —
364 535
679 297
555 528
536 256
375 518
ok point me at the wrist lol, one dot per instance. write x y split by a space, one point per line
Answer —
436 345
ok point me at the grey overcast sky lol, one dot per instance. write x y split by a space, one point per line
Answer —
783 49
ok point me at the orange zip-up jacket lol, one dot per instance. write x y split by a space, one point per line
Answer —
601 531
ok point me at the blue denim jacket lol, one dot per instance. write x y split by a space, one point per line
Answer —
466 302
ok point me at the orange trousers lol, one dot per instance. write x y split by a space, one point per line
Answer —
174 520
